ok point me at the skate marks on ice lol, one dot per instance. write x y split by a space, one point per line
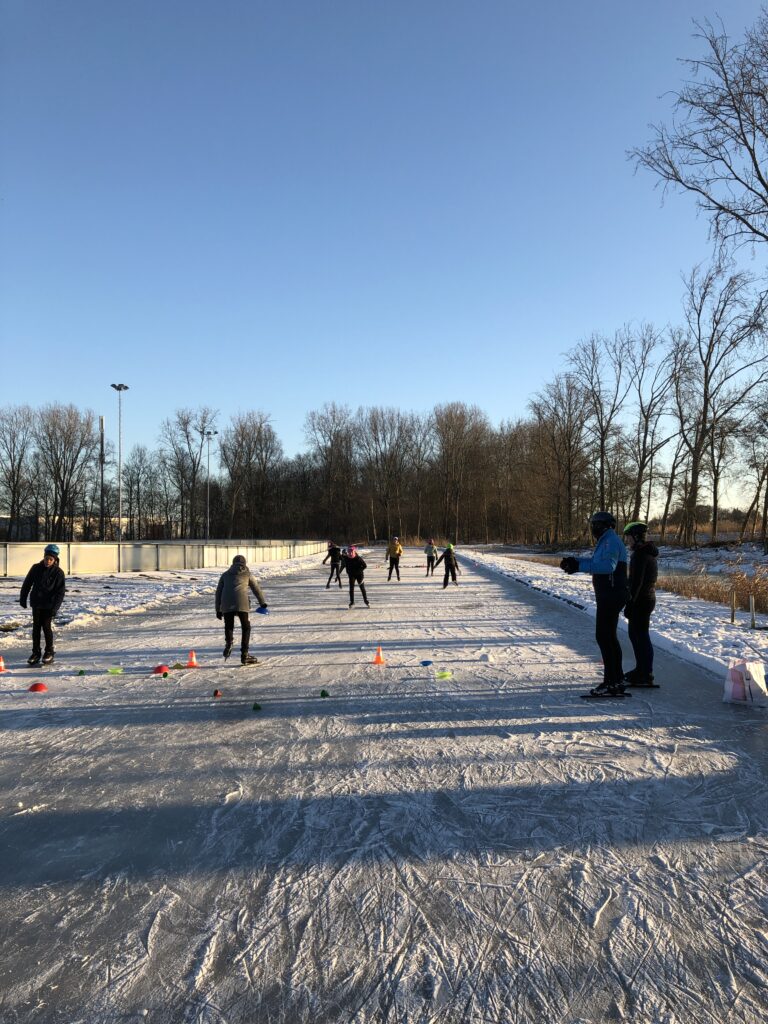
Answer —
471 849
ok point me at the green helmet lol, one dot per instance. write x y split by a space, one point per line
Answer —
449 547
636 529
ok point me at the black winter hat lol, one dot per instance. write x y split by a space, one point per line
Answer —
239 560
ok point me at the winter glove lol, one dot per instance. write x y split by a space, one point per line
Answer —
219 616
22 602
570 564
263 610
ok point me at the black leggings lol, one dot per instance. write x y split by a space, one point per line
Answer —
245 626
606 623
335 570
638 627
394 563
430 565
450 573
360 583
41 620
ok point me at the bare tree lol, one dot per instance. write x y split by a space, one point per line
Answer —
719 360
330 433
381 439
459 429
16 470
561 414
67 442
598 369
717 146
183 441
649 369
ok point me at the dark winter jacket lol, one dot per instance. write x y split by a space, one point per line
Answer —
643 572
45 587
449 557
334 554
232 593
355 567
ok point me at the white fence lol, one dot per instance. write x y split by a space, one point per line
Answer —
88 559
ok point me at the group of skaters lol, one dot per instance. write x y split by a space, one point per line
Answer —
349 560
620 584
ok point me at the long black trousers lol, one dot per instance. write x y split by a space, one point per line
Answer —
245 627
606 624
42 619
638 627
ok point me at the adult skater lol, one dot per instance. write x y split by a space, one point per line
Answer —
394 551
355 567
608 565
45 586
233 599
643 573
451 565
334 553
431 552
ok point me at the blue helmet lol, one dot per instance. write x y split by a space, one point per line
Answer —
52 549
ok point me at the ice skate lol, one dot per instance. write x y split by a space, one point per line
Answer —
248 659
48 658
606 690
227 650
34 658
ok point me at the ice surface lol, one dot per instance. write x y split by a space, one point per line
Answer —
480 848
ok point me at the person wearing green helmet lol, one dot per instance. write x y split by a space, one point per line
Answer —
451 565
643 573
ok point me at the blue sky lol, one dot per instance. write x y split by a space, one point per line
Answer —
275 205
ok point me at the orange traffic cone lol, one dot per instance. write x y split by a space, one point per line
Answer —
378 660
2 665
192 663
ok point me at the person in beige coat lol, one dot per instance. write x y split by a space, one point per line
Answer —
233 599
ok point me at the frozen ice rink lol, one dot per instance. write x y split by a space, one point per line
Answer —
418 847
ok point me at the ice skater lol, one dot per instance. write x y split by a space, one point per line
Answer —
233 599
608 565
431 552
451 565
45 586
334 553
643 573
355 567
394 551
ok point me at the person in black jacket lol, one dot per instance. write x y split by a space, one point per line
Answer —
45 586
355 567
334 553
643 573
451 565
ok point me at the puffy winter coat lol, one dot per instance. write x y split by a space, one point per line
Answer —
355 567
430 551
334 554
449 557
394 549
608 565
232 593
643 572
45 586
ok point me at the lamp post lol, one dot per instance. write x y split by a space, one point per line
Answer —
208 435
119 388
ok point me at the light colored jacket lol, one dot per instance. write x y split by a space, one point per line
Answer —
233 591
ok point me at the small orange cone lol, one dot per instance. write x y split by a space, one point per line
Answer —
217 693
2 665
38 688
378 660
192 663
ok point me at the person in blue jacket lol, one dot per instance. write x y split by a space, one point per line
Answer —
608 566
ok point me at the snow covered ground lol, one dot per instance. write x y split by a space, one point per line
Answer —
481 846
